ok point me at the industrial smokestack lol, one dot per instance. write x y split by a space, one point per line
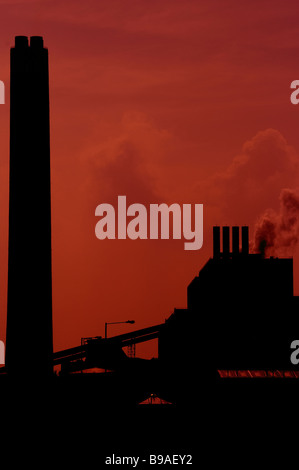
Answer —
29 345
245 240
225 241
235 242
216 242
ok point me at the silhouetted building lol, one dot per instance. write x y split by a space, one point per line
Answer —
29 313
241 314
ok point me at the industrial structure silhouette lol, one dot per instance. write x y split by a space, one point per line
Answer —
29 298
241 312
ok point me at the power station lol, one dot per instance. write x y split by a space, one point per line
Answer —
241 311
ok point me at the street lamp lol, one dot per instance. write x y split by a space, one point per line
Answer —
115 323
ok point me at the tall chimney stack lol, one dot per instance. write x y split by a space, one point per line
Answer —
29 343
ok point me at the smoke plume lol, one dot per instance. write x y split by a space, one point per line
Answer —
277 233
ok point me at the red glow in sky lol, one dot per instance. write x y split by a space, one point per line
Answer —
161 101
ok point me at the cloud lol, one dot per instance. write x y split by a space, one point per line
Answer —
128 163
255 177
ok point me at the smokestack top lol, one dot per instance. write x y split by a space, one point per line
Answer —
226 235
235 241
21 41
36 42
225 241
245 240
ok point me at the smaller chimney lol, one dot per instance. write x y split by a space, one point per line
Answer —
245 240
225 241
235 240
216 242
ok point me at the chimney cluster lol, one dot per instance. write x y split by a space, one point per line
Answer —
226 251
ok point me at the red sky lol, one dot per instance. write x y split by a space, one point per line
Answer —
163 101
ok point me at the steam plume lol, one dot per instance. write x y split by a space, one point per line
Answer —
277 233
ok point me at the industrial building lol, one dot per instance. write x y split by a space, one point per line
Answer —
241 313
